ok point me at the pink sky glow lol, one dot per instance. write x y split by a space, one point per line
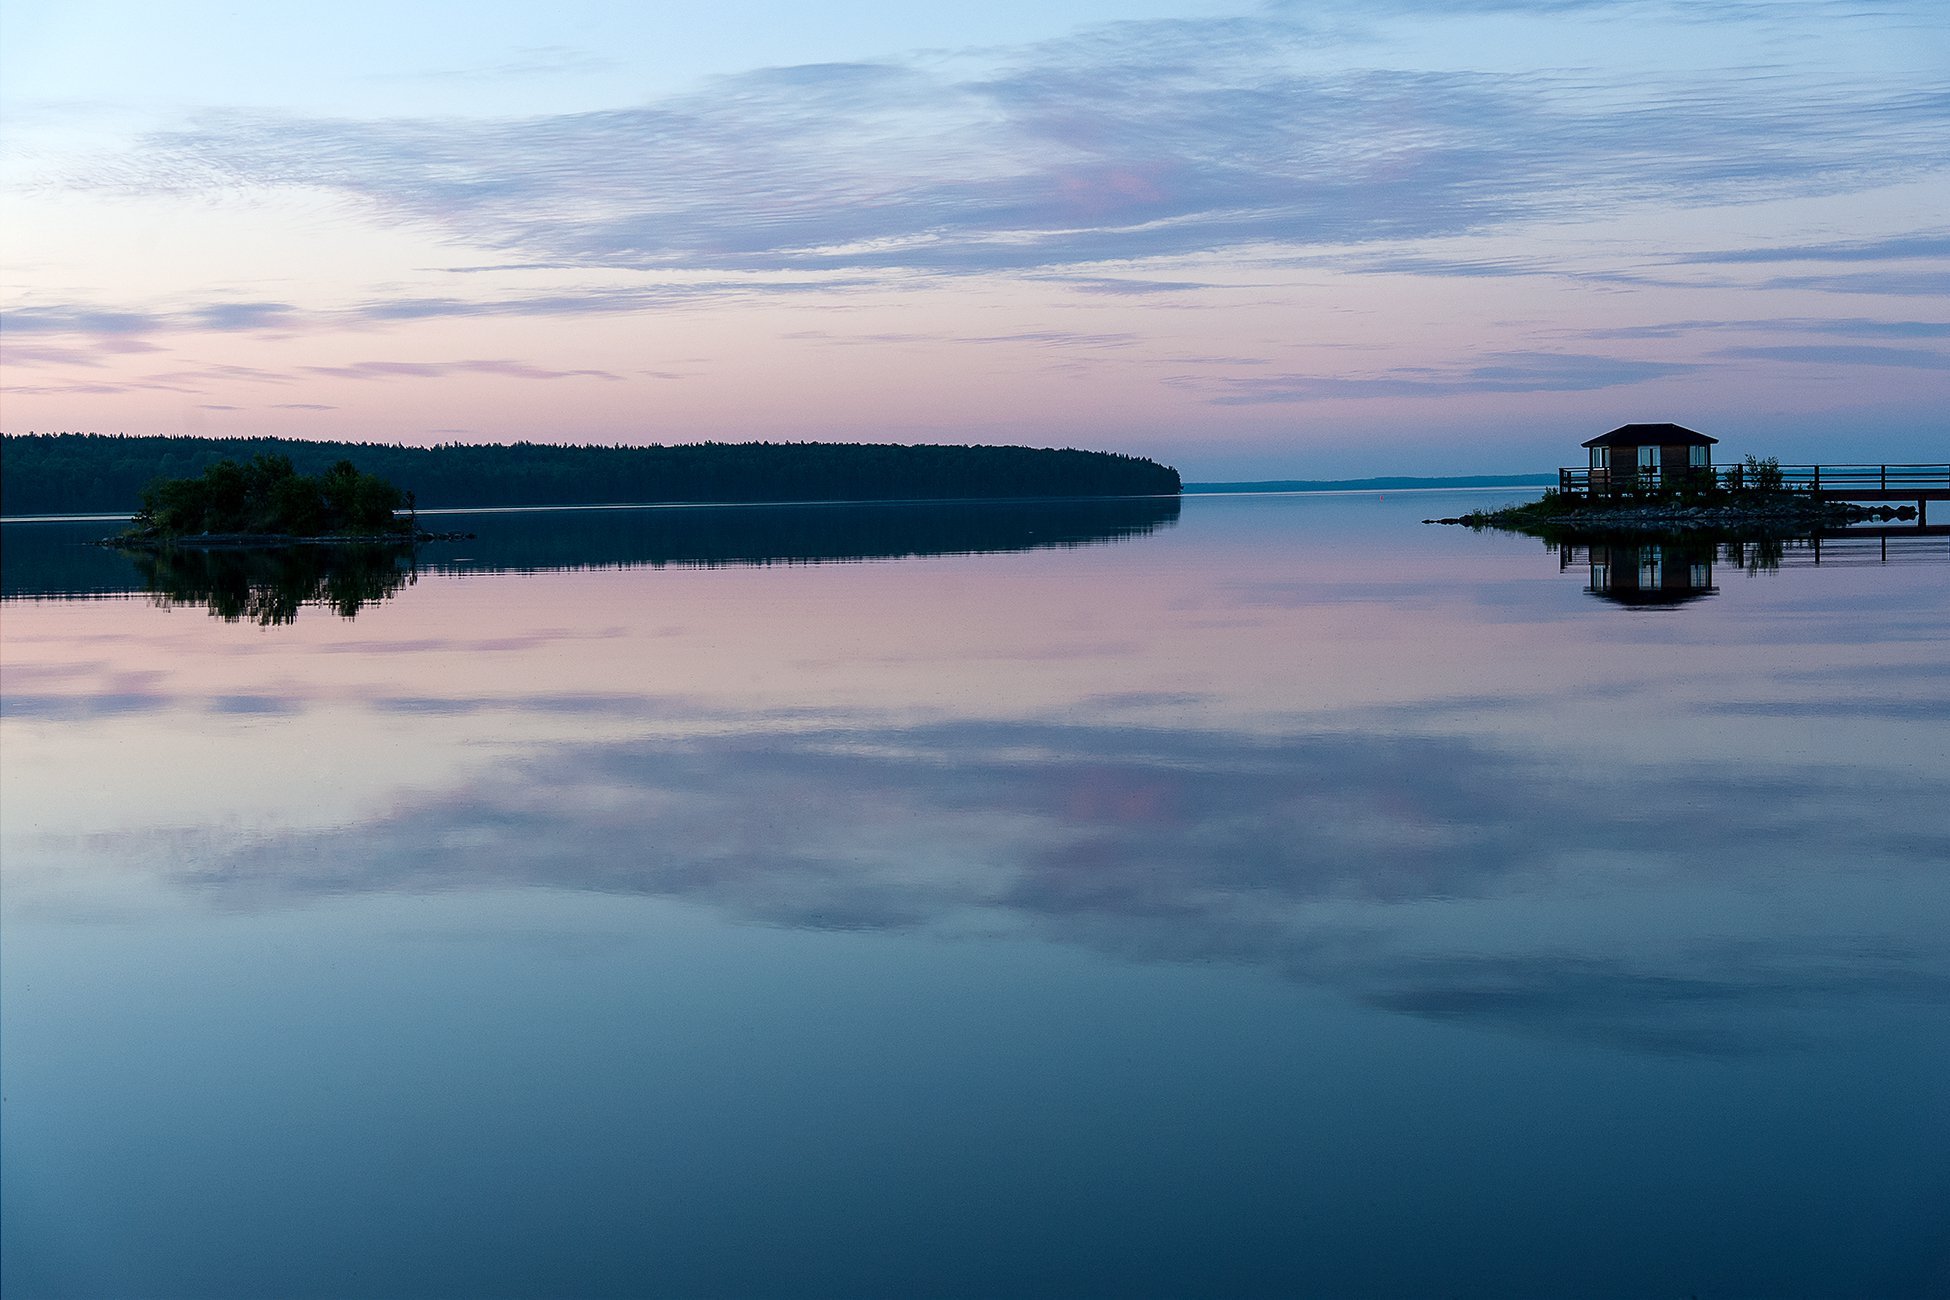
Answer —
1251 241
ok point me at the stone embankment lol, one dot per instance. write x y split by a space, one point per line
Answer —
1770 514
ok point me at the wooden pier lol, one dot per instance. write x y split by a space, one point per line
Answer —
1920 484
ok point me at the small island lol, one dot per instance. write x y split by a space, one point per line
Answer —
1759 506
267 502
1647 478
258 541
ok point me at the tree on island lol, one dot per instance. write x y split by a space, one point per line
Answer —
267 497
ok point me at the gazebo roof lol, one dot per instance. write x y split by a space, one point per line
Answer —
1651 435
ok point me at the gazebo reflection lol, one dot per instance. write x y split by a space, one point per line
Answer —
1661 572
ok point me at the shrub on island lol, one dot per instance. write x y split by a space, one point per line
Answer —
266 497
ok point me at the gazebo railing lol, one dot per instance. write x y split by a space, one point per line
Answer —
1819 480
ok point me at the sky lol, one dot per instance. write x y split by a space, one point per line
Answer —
1253 240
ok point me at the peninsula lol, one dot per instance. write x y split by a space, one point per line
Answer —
77 473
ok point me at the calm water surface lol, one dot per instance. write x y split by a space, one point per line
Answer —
1274 897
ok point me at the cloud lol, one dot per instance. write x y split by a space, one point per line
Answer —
1838 327
92 353
583 302
254 704
1509 372
1139 140
202 379
112 330
70 708
440 369
1843 354
1901 284
1124 286
1041 338
108 326
302 406
242 316
173 381
78 320
1901 248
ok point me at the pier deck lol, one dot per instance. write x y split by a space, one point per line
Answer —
1920 484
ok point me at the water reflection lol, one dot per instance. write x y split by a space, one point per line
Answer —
48 560
1303 895
1316 856
716 536
268 586
1669 572
1670 569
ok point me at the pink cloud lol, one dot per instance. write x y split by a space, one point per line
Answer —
440 369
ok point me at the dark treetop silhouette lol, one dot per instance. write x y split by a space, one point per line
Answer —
267 498
72 473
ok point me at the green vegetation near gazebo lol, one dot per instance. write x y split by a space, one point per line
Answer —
1750 496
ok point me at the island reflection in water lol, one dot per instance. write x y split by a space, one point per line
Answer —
269 586
1671 569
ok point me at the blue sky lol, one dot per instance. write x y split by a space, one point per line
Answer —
1264 240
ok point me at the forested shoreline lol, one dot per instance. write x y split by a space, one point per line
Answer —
86 473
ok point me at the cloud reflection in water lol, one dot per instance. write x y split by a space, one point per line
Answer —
1353 861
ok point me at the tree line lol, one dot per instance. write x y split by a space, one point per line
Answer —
86 473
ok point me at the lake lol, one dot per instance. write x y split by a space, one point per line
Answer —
1259 896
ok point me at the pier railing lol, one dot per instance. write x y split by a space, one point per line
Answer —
1887 482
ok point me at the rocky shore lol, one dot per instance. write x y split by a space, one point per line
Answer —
1770 513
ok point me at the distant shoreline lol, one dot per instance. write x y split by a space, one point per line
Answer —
66 473
1388 483
1190 490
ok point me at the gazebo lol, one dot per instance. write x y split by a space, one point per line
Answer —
1647 456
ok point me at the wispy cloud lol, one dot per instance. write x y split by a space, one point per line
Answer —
441 369
100 322
90 353
1511 372
1932 283
1125 286
1904 248
203 379
1848 327
172 381
122 330
1134 141
1843 354
1059 339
